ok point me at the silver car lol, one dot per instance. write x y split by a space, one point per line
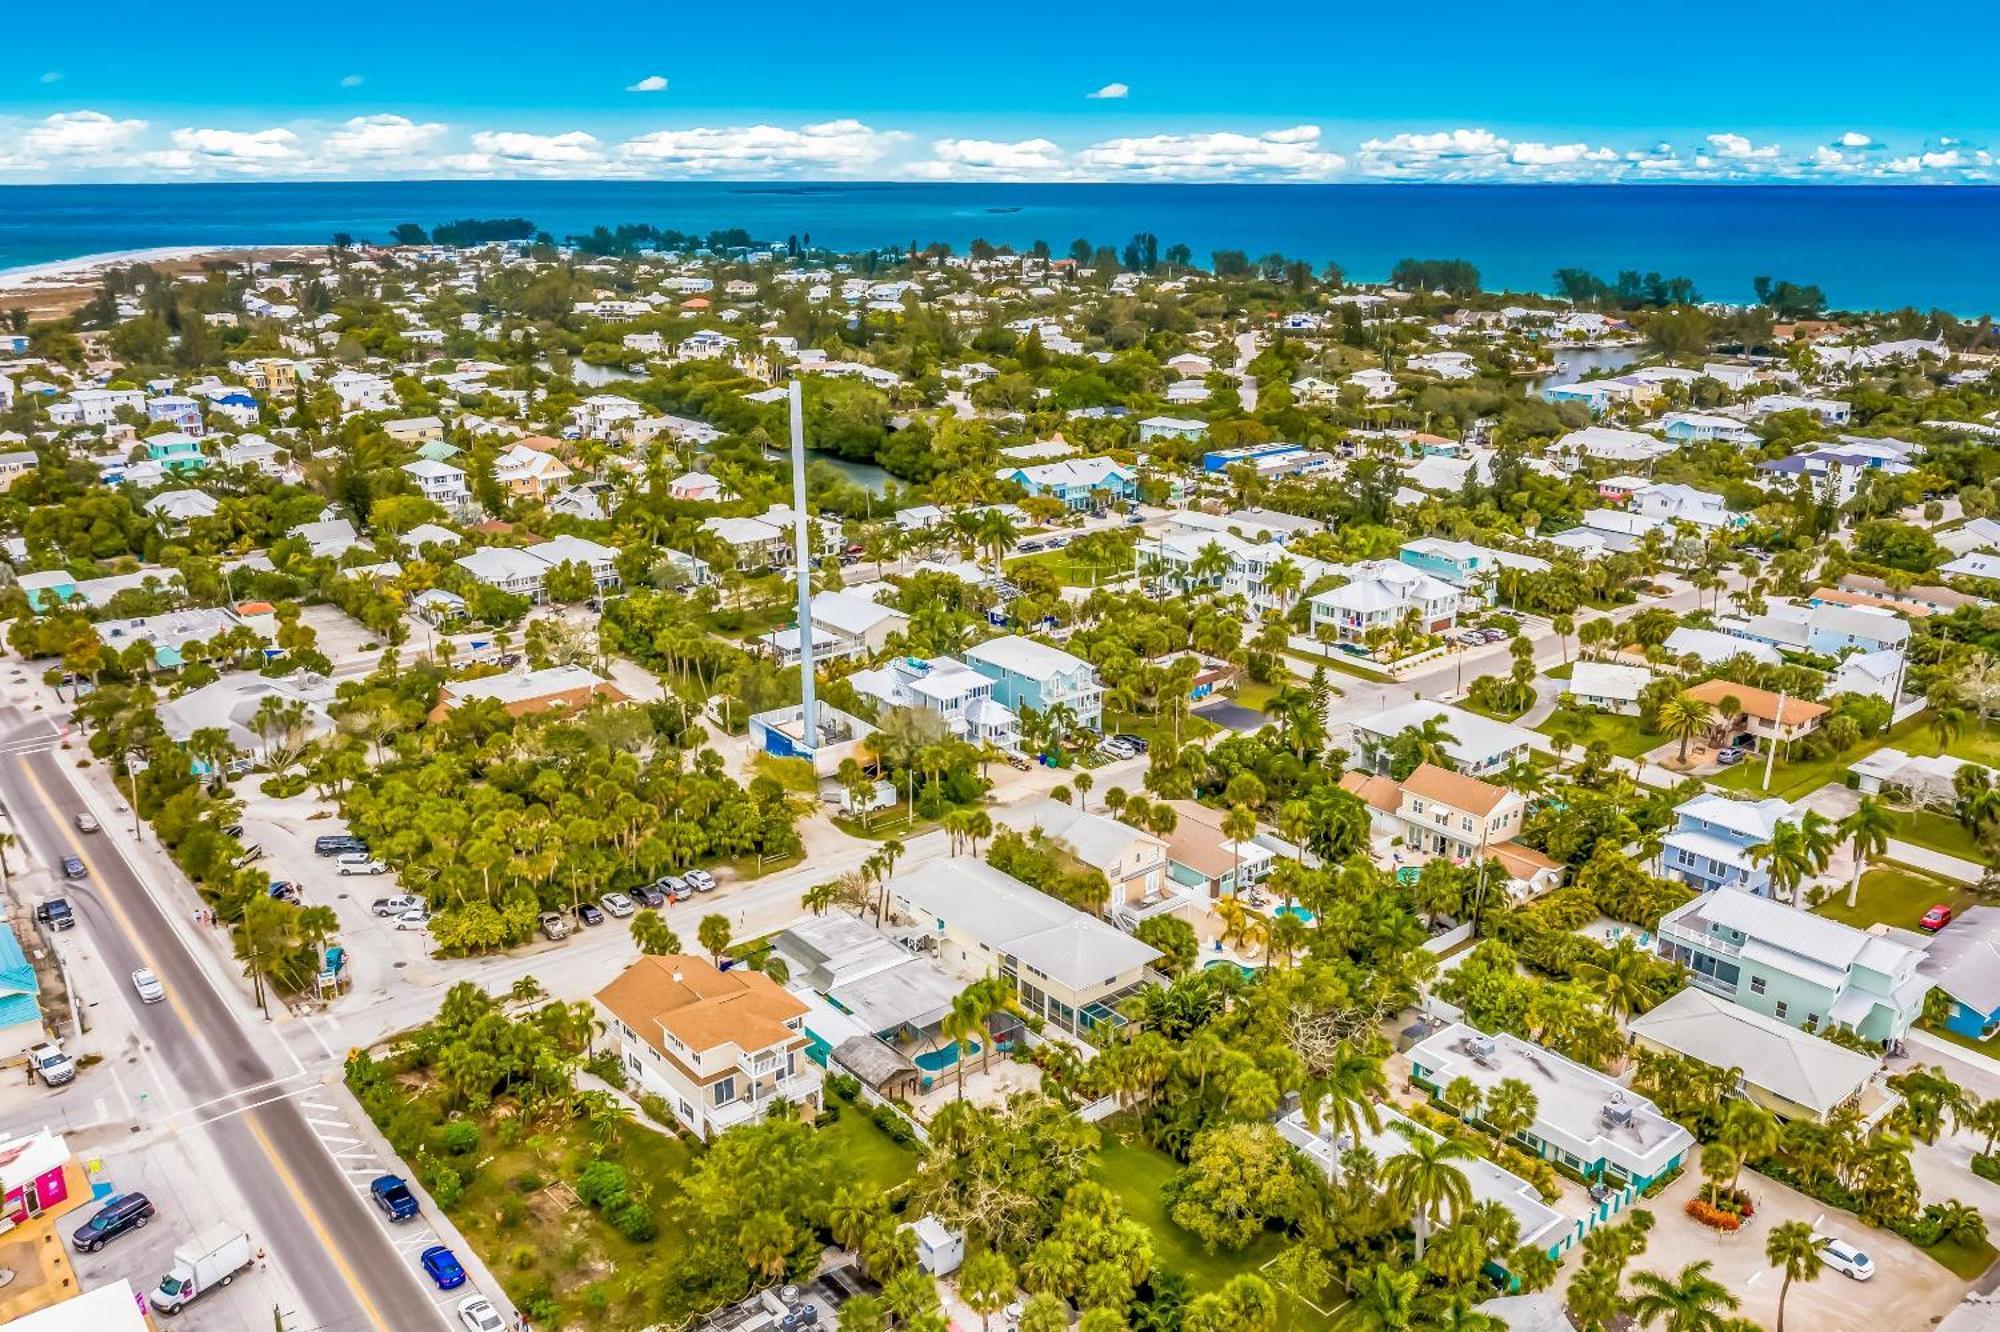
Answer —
148 986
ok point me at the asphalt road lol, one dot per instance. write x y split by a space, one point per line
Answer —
303 1211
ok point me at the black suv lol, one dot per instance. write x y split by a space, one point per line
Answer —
55 914
125 1211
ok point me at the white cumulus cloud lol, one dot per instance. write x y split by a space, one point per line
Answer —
80 134
838 146
1110 92
382 136
1285 154
1738 148
651 83
227 145
1027 159
504 150
1558 154
1854 139
52 76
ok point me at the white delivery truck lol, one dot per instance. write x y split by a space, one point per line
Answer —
210 1260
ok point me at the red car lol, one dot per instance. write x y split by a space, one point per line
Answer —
1936 918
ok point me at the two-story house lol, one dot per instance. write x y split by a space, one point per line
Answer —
843 625
182 413
1709 845
722 1047
1132 860
1437 812
1796 966
522 469
1753 717
508 568
1080 483
1380 594
1189 560
948 688
1464 564
600 559
440 482
1029 674
176 451
1477 746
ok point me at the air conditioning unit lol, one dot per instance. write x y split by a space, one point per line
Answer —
1484 1046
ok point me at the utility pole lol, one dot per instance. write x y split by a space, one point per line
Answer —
1771 750
809 709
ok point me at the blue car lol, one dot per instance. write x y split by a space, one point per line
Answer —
441 1265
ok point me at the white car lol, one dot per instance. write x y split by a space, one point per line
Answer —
148 985
479 1315
1844 1258
700 880
360 862
617 904
413 920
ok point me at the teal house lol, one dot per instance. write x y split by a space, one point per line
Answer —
176 452
20 1000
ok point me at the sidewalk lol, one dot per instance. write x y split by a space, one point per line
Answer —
1923 858
1984 1062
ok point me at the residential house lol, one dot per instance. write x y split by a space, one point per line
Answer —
756 543
1381 594
1710 843
1796 966
1437 812
1205 864
1829 411
600 559
1693 427
178 508
600 416
1464 564
15 465
699 487
1875 674
1443 364
1609 687
175 451
1791 1073
1712 648
1080 483
7 393
525 693
1963 960
1133 861
843 625
21 1022
1170 427
1602 395
182 413
1583 1121
1374 382
529 471
1929 780
1755 718
440 483
235 704
1476 745
96 407
1030 674
508 568
1676 503
415 430
723 1048
950 689
1834 472
1245 571
1068 967
1611 444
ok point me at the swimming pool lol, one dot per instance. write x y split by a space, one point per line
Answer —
1303 916
935 1061
1243 967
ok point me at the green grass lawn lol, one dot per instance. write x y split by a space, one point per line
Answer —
861 1142
1623 734
1158 730
1937 832
1802 776
1074 572
1561 672
1137 1173
1494 713
1988 1048
1893 895
1254 695
1966 1260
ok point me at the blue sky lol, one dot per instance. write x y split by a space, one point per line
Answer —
1288 91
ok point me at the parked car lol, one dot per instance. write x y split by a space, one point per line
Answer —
250 853
676 888
121 1212
232 830
1936 918
397 905
1019 761
50 1064
359 862
392 1194
1731 756
86 822
700 880
1118 749
286 891
442 1266
555 925
414 920
72 868
1029 547
650 897
55 914
148 986
479 1315
618 905
1494 635
339 844
589 914
1137 742
1844 1258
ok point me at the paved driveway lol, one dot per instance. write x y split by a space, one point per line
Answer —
1908 1292
1233 716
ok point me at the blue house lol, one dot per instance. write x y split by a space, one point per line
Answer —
179 412
1081 483
1709 846
1028 674
1964 961
175 451
20 999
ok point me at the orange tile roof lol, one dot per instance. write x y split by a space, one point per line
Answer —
1374 789
1455 789
704 1007
1759 703
1842 597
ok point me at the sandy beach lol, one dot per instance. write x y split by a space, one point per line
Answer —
61 285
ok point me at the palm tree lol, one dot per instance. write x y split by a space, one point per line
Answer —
1425 1180
1787 858
1749 1130
1510 1109
1282 580
1564 624
1463 1095
1867 830
1082 783
1793 1249
1691 1302
1239 825
1628 978
1210 564
1947 724
1683 717
1385 1300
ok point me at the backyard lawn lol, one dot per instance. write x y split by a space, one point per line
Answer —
1937 832
1158 730
1622 734
860 1141
1790 780
1075 572
1896 896
1138 1173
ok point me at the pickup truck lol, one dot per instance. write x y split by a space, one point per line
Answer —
393 1196
51 1065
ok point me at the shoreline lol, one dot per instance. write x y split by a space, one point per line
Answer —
89 267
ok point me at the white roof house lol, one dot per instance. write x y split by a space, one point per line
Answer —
1713 647
506 567
1606 684
1789 1066
1582 1118
1477 744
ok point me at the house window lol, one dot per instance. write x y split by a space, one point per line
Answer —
1756 985
725 1091
1812 1019
1781 1009
687 1111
